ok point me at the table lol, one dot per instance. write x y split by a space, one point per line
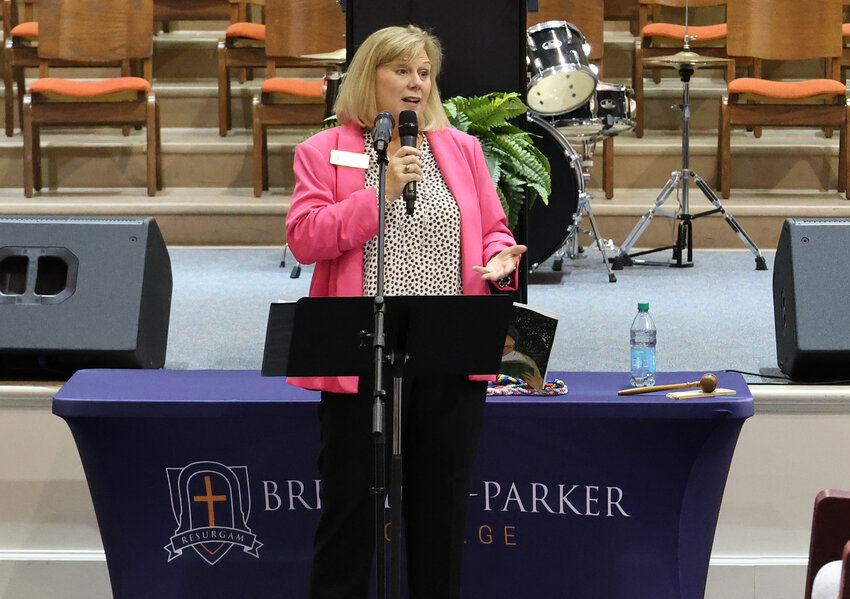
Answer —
204 484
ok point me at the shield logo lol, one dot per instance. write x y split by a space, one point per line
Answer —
211 504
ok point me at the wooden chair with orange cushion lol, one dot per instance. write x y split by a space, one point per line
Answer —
243 47
248 34
245 24
74 31
589 17
293 28
660 38
784 30
19 52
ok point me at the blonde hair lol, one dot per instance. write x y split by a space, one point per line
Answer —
357 97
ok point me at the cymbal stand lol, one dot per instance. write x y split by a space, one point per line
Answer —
570 245
683 247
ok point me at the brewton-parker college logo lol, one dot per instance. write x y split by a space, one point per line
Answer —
211 503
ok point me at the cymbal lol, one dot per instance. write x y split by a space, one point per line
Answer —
686 58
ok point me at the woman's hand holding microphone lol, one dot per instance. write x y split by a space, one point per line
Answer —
404 166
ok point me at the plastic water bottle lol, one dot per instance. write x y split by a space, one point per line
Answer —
642 338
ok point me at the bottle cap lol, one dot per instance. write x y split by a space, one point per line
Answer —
643 305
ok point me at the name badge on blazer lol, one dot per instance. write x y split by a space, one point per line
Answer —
352 159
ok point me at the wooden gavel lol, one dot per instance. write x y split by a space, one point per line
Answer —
707 384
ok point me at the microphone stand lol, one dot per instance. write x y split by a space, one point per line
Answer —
379 489
396 360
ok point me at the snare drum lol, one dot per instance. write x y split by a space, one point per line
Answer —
549 225
561 77
610 111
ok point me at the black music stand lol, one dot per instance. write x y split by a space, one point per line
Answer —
329 336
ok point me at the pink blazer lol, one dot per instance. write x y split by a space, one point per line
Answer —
332 216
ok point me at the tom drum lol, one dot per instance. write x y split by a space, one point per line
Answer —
561 77
609 111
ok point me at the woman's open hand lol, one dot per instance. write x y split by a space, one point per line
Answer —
502 264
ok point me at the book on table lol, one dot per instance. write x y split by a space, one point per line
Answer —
528 344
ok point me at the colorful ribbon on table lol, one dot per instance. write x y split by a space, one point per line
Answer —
511 385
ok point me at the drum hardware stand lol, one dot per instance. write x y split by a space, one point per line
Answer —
583 209
296 269
684 237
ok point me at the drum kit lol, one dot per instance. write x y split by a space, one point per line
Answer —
570 106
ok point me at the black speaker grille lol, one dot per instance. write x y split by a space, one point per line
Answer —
83 292
811 284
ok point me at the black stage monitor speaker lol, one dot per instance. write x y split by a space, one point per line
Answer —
82 293
811 289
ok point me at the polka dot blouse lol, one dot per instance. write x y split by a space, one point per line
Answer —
422 251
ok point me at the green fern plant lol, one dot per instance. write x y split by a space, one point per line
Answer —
516 165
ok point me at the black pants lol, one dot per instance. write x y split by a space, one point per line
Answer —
441 421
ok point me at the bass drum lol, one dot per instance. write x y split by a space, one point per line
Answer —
549 224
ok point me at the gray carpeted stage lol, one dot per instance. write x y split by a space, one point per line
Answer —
716 315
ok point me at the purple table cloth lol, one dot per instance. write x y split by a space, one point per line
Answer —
204 484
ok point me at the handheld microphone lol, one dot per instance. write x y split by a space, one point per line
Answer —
408 130
383 131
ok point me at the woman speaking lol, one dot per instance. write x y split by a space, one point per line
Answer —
455 242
